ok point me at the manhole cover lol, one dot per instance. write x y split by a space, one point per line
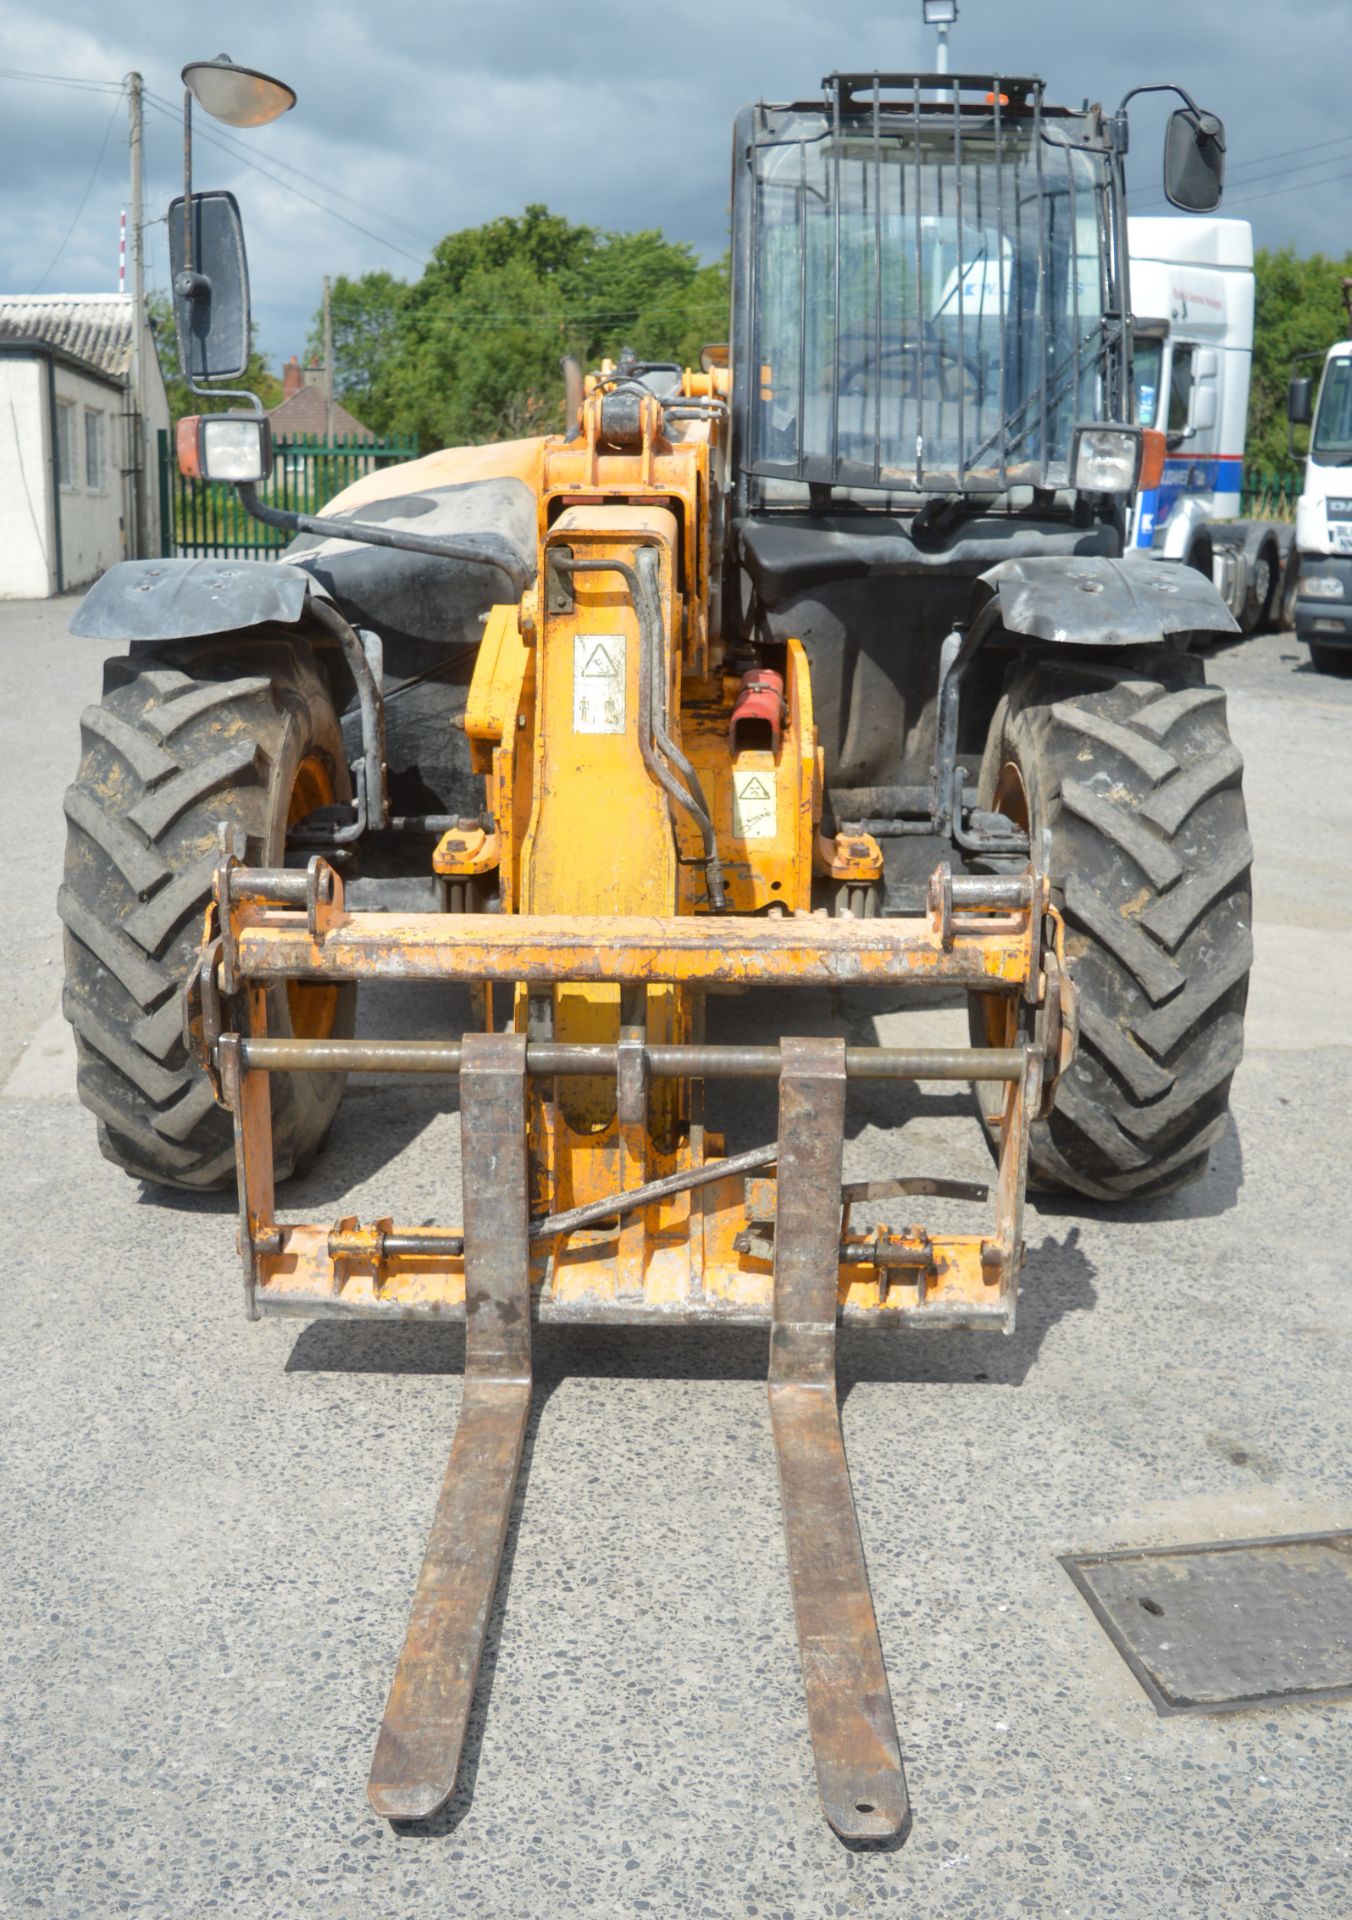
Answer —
1228 1624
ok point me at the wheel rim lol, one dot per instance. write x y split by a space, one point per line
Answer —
313 1007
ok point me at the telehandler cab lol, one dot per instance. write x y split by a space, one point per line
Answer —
746 648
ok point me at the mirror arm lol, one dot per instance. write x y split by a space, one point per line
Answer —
358 531
1117 124
225 393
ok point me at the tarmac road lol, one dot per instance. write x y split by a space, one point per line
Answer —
212 1529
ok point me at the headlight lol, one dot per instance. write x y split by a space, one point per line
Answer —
225 446
1106 459
1320 586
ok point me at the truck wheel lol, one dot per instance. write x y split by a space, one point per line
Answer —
238 728
1261 591
1129 763
1333 660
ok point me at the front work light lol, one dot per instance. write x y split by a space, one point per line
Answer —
1106 459
225 446
940 13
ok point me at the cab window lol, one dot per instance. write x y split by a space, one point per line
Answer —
1180 391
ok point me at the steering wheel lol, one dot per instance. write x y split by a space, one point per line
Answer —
949 366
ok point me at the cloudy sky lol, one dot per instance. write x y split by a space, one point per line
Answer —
414 120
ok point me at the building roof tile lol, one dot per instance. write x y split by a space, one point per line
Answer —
96 328
305 412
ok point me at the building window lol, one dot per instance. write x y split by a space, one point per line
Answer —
93 450
65 442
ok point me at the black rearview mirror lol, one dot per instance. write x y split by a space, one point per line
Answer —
210 276
1300 401
1194 160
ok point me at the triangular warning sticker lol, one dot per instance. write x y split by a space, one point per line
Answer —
601 665
753 789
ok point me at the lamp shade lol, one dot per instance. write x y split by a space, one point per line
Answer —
239 96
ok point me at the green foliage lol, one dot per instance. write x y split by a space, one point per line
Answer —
470 352
1299 309
368 325
182 399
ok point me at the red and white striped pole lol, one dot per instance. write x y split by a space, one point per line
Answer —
122 253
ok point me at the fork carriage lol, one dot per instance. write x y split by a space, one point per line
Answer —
638 1219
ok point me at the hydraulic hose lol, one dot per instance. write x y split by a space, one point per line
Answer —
364 534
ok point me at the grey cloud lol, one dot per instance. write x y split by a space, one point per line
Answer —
612 114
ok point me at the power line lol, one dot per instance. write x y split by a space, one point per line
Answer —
238 148
62 80
1270 193
103 148
286 186
1297 186
1242 166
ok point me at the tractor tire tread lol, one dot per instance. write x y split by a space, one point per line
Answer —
178 743
1139 782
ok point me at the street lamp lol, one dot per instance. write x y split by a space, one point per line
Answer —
240 96
941 14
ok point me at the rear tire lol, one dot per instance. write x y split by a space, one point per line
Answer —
1262 591
240 729
1129 763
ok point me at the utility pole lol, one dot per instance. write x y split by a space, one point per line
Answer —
136 412
328 363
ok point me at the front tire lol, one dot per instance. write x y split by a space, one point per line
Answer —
1335 661
240 729
1129 763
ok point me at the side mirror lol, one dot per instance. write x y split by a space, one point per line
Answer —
1300 401
1203 418
210 276
1194 160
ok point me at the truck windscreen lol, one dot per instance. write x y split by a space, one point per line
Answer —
929 308
1332 442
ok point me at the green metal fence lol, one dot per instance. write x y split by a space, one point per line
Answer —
308 471
1270 496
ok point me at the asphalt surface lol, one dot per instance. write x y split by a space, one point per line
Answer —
212 1529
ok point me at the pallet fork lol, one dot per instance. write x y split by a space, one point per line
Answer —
717 1238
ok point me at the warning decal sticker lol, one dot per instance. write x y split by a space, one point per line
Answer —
753 806
598 683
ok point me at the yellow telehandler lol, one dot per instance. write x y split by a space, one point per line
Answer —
818 665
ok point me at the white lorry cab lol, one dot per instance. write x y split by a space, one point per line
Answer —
1324 513
1192 298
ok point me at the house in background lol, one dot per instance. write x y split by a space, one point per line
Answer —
78 458
304 408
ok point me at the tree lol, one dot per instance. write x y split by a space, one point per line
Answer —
1298 309
182 400
370 317
471 351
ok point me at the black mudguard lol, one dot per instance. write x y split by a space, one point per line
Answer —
156 600
1090 601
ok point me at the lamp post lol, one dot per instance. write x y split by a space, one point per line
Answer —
241 97
941 14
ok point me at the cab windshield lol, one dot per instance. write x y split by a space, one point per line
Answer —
930 301
1332 442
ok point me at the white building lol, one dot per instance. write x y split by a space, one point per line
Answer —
79 476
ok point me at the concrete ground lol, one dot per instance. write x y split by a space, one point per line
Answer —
212 1529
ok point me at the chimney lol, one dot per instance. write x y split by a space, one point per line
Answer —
291 377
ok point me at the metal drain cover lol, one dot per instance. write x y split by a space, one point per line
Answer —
1230 1623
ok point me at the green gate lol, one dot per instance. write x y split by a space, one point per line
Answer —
308 471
